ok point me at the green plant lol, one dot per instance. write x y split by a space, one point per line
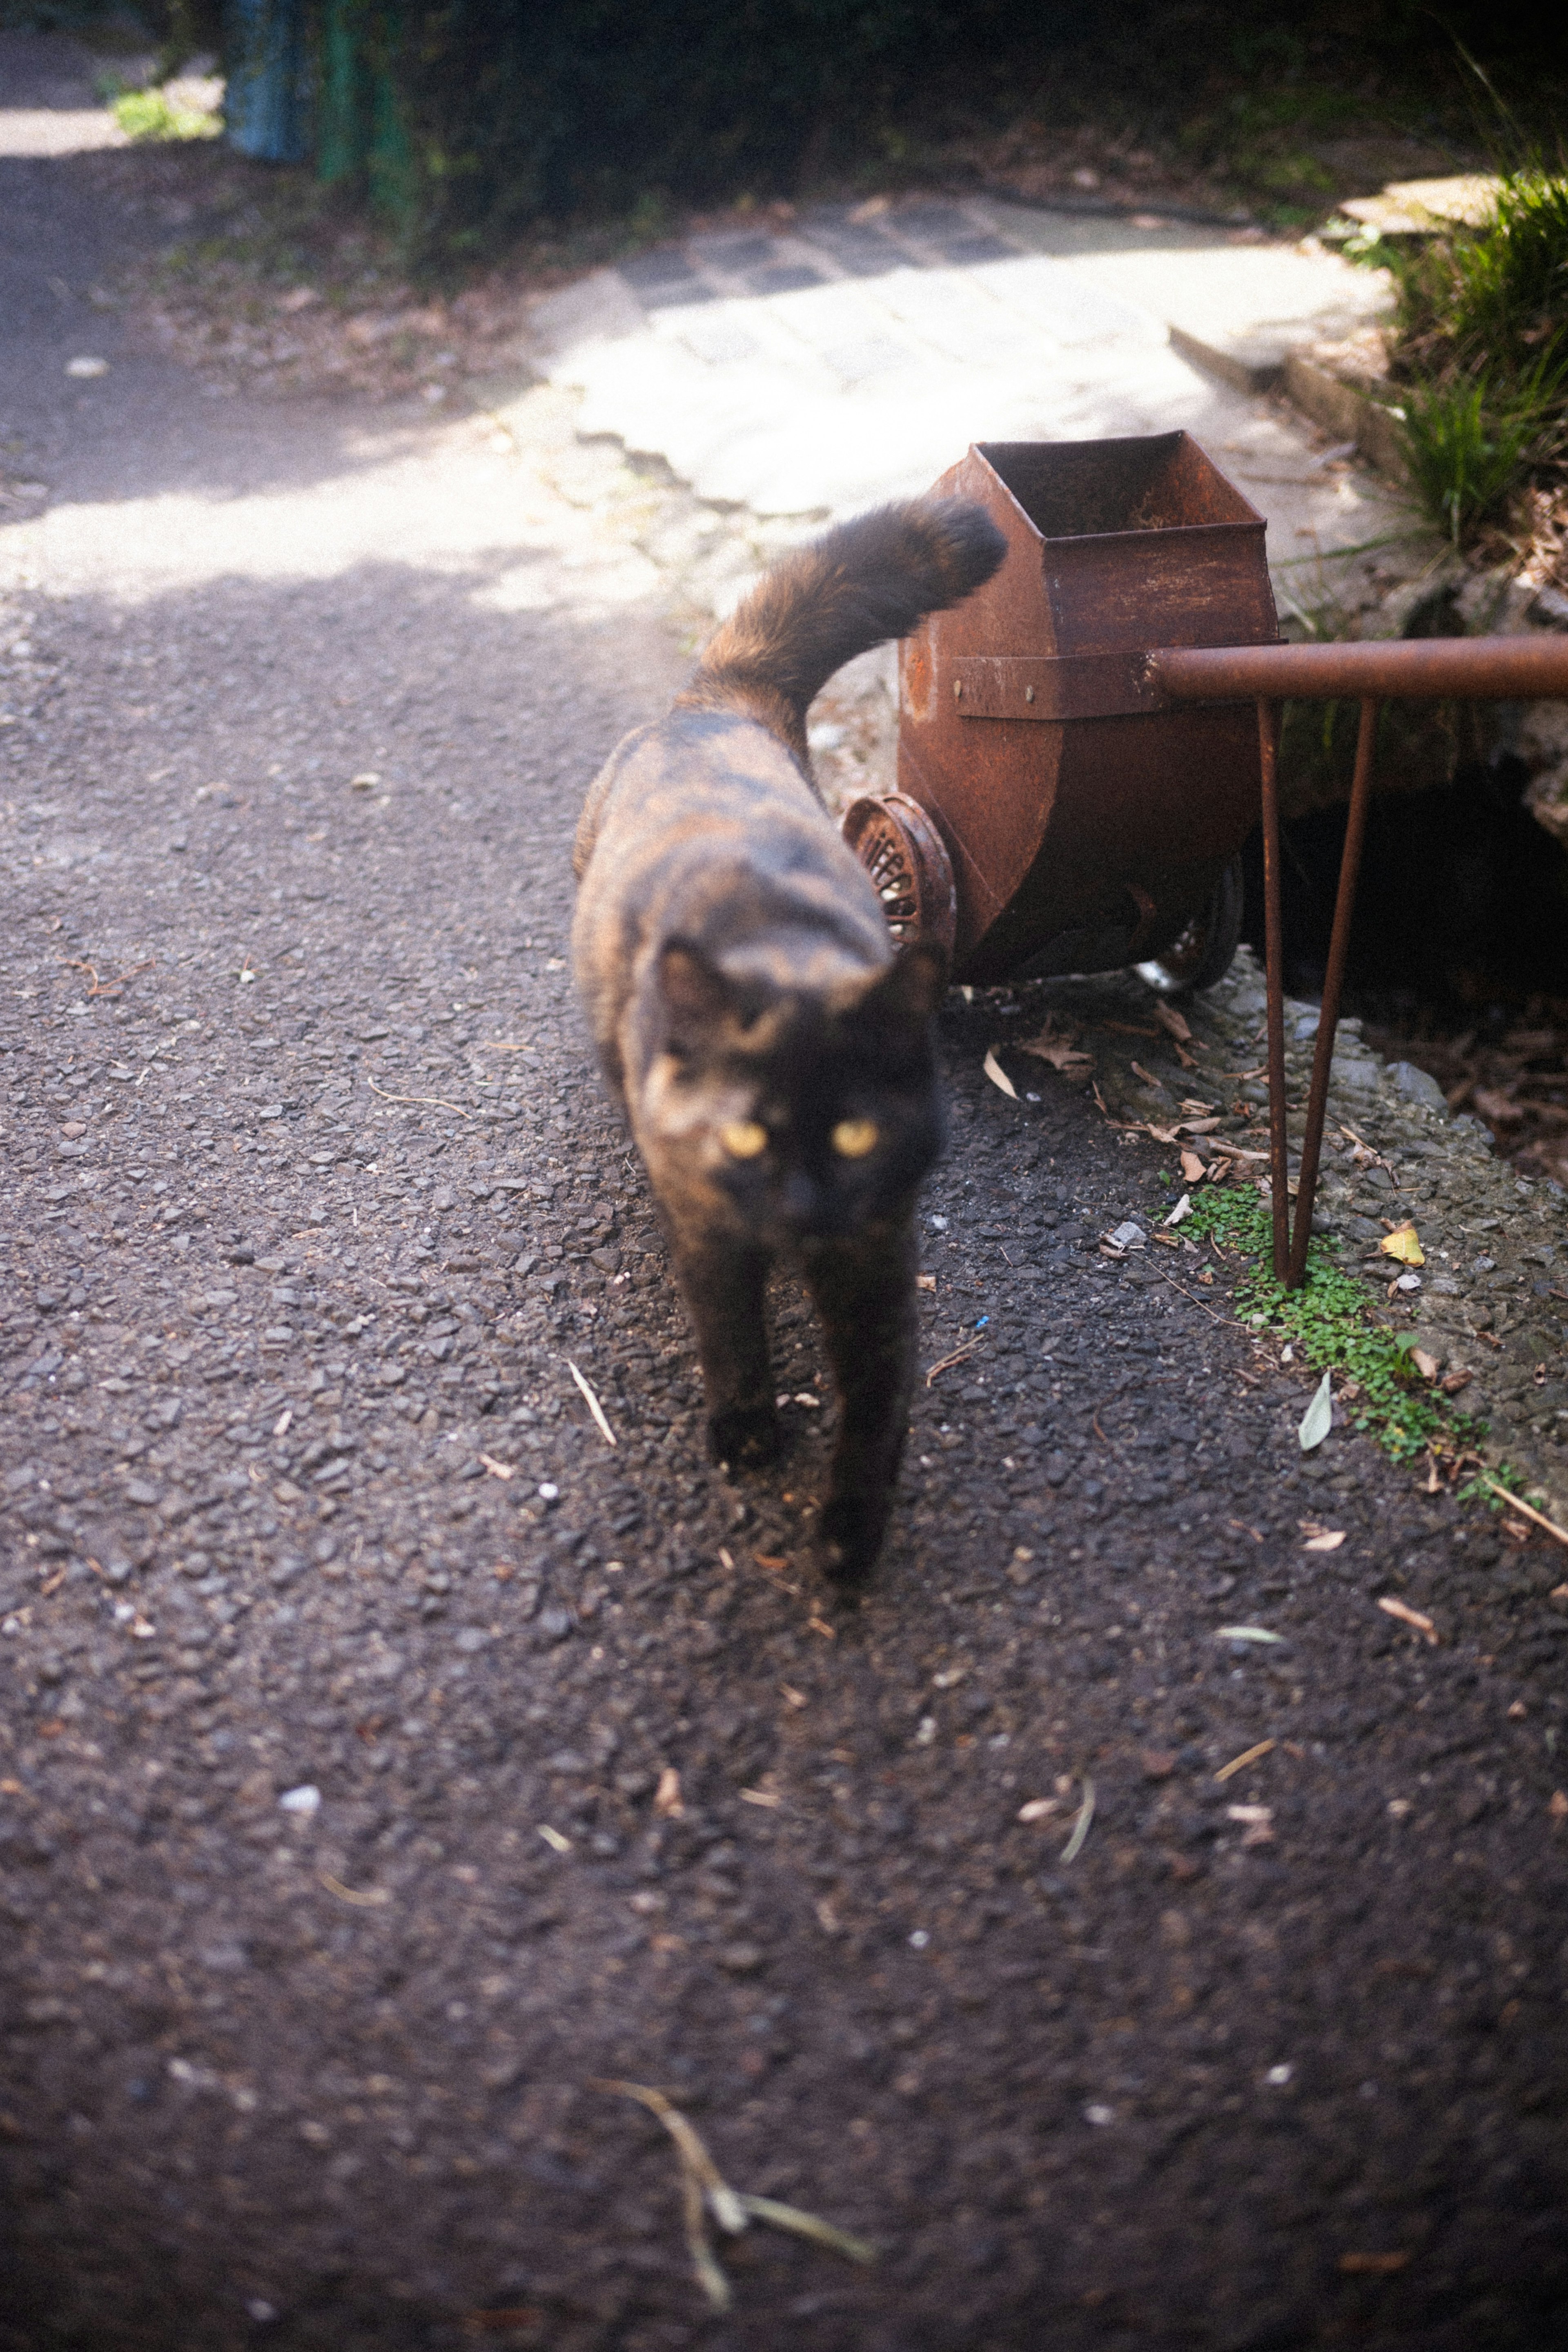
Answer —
147 115
1481 355
1329 1326
1467 449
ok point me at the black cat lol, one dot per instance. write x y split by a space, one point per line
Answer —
775 1061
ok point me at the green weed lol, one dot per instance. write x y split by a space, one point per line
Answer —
1327 1326
1466 448
1481 354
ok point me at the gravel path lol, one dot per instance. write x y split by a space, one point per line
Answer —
385 1760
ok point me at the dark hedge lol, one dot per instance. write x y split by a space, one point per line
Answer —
471 120
508 110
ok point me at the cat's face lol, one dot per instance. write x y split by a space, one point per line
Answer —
784 1116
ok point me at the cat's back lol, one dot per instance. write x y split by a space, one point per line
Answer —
701 790
703 826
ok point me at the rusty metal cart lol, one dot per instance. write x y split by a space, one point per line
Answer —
1085 742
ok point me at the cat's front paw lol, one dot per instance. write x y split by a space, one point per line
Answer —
744 1438
850 1533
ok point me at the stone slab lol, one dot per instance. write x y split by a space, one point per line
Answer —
856 356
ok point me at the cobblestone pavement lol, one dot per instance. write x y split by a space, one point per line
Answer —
1140 1934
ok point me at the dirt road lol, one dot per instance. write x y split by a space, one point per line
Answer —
385 1760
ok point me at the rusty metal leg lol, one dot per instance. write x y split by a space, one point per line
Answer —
1333 979
1274 967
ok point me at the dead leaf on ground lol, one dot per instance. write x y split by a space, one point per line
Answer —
1404 1245
1321 1538
1058 1050
1427 1366
1173 1022
998 1075
1192 1169
666 1798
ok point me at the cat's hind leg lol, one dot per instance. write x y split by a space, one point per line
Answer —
724 1284
864 1293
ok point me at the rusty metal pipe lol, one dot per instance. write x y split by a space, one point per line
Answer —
1333 979
1274 957
1480 669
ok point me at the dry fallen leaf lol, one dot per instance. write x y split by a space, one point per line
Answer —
1172 1022
998 1076
1059 1052
1326 1539
1193 1168
1427 1366
666 1796
1403 1245
1319 1417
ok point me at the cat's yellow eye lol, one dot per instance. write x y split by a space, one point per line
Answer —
854 1138
743 1138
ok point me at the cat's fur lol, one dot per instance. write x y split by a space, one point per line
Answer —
741 981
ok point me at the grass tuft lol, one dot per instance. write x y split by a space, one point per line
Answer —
1481 354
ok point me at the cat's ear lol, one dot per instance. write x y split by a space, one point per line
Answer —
911 988
695 992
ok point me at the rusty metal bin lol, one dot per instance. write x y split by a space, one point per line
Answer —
1087 825
1085 743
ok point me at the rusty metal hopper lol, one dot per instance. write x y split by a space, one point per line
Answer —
1079 763
1086 824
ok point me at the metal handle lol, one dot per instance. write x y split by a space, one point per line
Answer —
1479 669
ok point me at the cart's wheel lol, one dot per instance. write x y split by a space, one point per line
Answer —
1203 952
903 853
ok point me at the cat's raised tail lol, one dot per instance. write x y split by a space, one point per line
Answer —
859 584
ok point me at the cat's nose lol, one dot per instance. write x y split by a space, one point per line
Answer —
802 1200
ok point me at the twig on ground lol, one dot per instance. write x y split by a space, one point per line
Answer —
367 1898
1074 1845
1187 1293
595 1407
115 987
1408 1616
703 2185
1249 1756
1514 1504
808 2225
433 1102
946 1363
